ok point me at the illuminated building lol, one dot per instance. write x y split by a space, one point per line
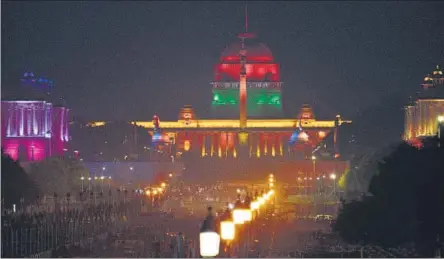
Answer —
422 116
262 77
273 142
34 129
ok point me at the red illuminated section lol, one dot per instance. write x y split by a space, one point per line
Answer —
255 72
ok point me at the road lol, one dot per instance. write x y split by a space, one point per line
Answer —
276 237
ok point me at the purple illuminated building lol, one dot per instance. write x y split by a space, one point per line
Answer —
34 129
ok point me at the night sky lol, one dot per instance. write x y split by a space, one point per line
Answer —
129 60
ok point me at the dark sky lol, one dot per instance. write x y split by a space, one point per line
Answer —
128 60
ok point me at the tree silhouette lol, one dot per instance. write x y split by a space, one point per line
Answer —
58 175
406 202
16 183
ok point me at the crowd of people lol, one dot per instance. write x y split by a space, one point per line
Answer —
29 234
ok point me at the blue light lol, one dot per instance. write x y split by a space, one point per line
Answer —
294 136
157 137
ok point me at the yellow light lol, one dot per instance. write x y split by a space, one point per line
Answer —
254 205
163 185
159 189
271 176
238 217
313 158
186 145
227 230
148 192
154 192
271 184
441 118
243 137
248 215
238 190
170 175
261 201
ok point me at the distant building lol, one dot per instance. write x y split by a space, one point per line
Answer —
424 115
33 129
248 128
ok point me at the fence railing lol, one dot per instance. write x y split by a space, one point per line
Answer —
30 235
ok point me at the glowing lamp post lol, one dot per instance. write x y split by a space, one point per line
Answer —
333 177
209 238
227 230
238 216
83 179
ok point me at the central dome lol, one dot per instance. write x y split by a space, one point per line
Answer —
256 52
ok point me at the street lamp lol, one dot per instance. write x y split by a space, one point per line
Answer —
209 238
313 159
227 230
82 179
89 183
333 177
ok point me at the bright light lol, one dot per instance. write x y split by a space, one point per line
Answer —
271 175
261 201
109 177
313 158
163 185
148 192
131 168
102 177
333 176
155 192
82 178
160 189
271 185
240 216
209 244
271 179
238 190
170 175
230 206
103 168
254 205
248 215
95 177
227 230
89 178
441 118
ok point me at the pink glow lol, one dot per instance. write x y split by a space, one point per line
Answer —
36 128
34 149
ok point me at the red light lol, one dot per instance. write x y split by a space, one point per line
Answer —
254 71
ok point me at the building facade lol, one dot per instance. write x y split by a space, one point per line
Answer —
33 129
426 113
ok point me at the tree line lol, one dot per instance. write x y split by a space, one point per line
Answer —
404 204
54 175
